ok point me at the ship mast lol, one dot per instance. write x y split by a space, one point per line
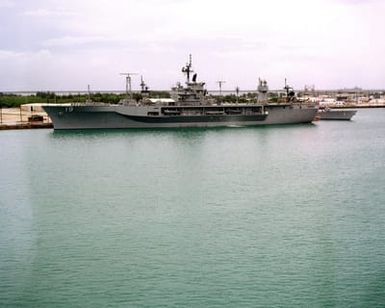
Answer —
128 83
142 84
88 93
188 68
290 94
220 83
286 88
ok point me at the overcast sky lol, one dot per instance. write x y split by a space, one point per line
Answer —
66 45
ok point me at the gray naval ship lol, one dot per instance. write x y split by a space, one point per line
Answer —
189 106
335 114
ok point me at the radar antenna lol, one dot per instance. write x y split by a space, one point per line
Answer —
143 85
128 83
188 68
290 94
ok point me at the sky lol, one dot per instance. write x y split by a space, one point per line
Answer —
52 45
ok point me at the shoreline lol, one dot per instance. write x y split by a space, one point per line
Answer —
361 106
28 125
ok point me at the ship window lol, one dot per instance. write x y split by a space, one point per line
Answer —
150 113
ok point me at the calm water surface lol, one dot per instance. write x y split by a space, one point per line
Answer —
237 217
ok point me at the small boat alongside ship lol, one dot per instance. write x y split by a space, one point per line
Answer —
189 106
335 114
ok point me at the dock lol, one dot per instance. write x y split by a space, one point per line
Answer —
19 118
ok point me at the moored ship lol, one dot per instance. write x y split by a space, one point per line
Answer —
189 107
335 114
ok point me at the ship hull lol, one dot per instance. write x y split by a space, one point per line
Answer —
341 115
120 116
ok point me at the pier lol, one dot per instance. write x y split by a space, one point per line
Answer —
23 118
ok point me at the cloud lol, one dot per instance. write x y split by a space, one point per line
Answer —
357 2
6 3
47 13
299 39
8 54
74 40
26 70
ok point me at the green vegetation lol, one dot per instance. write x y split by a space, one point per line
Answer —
274 99
232 98
13 100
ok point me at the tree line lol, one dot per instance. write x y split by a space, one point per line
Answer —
12 100
8 100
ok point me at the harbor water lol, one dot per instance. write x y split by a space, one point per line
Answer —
280 216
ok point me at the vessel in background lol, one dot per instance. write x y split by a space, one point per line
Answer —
335 114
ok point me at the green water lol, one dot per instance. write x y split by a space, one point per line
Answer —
289 216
